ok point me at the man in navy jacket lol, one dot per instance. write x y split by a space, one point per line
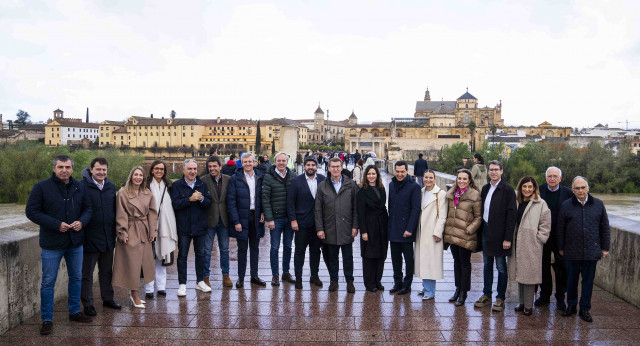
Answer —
190 198
404 212
419 167
61 208
300 209
583 238
99 236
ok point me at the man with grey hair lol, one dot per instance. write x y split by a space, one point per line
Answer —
583 239
190 198
554 195
60 206
274 203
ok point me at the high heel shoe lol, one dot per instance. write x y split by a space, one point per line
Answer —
455 295
461 299
141 305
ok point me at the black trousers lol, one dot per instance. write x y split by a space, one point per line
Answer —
461 267
334 261
307 237
253 245
399 250
105 272
559 270
372 269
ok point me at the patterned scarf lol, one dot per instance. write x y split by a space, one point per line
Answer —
459 194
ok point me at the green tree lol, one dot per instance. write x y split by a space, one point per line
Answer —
173 114
258 140
493 130
472 130
22 118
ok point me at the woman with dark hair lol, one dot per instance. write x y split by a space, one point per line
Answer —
463 220
136 228
479 171
372 218
358 172
167 240
429 248
532 231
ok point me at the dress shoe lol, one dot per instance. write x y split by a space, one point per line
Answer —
333 286
226 281
182 290
240 283
112 304
395 288
206 281
275 280
351 288
372 289
133 302
542 301
570 310
258 281
298 283
148 295
314 280
380 287
47 328
519 308
561 305
90 311
80 317
585 315
286 277
404 290
455 296
461 299
162 293
527 311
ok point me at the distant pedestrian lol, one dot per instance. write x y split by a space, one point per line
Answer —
419 167
479 171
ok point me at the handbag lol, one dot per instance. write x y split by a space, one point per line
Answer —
165 262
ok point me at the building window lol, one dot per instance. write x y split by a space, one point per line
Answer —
466 106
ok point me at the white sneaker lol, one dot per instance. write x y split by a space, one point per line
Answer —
203 287
182 290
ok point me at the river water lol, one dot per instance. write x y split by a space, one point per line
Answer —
625 205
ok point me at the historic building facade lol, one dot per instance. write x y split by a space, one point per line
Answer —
64 131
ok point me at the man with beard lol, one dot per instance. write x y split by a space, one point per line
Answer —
301 208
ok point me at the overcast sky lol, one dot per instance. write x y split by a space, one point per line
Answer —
572 63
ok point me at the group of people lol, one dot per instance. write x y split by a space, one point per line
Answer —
150 217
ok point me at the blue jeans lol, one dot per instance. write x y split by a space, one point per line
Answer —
223 247
50 265
575 269
184 242
501 265
283 227
429 287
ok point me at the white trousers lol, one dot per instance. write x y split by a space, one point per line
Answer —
161 279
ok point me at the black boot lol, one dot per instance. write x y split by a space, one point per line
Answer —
455 295
461 299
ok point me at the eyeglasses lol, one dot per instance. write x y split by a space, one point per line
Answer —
579 188
553 176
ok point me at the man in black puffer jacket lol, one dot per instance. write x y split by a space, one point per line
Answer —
274 203
583 238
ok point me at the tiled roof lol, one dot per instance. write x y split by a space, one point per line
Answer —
422 106
467 96
121 130
71 123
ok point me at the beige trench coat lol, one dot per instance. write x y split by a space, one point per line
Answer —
137 219
428 256
525 261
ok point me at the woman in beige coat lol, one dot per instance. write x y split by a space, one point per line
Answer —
136 228
532 231
463 221
429 249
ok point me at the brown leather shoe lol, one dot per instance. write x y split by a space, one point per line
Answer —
351 288
527 312
286 277
226 281
275 280
206 281
519 308
333 286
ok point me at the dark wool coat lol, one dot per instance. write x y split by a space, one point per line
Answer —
238 204
583 231
336 213
218 209
191 217
274 193
229 168
373 220
51 203
301 205
100 232
419 167
404 209
503 215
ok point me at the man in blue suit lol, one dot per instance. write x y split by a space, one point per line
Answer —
300 209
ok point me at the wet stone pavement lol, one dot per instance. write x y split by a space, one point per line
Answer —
284 315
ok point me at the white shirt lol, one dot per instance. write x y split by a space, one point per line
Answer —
313 184
585 200
251 181
100 186
280 174
487 201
